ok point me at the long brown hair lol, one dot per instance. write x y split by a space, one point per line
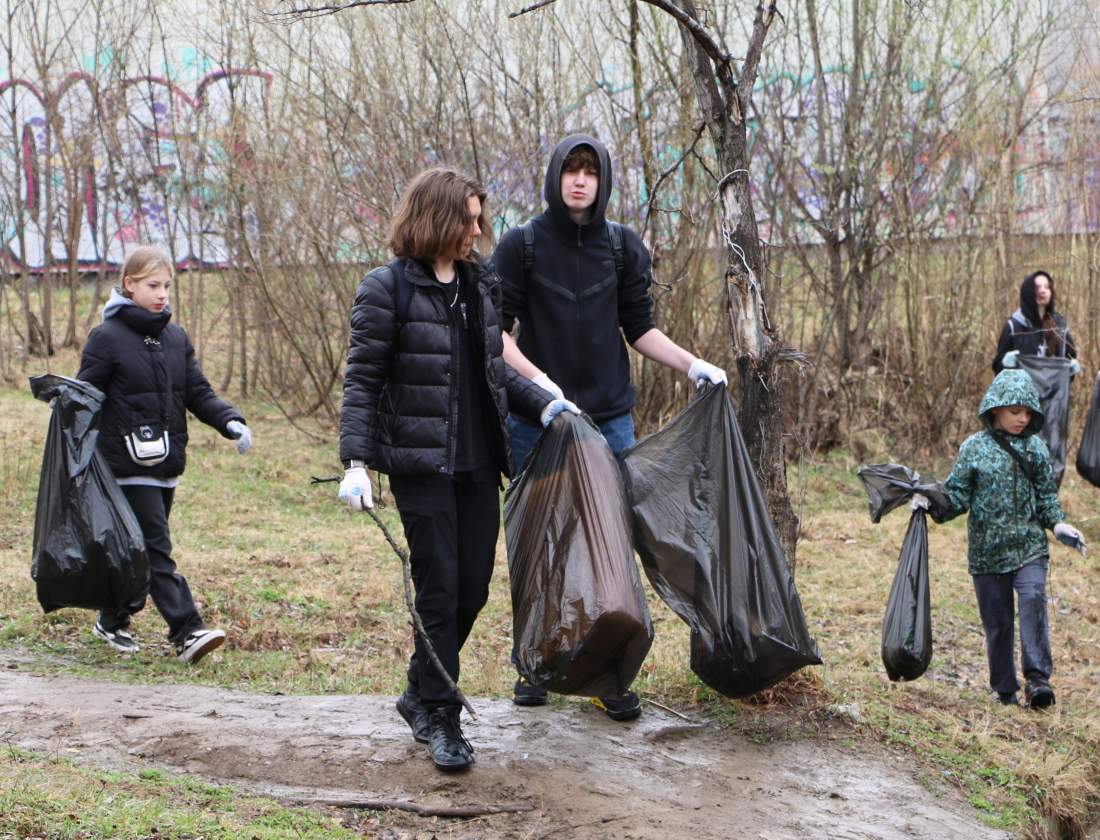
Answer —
432 219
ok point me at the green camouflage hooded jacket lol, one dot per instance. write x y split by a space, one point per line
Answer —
1007 512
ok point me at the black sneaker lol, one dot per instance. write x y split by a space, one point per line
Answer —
415 715
120 639
199 643
525 694
625 706
450 750
1038 694
1007 698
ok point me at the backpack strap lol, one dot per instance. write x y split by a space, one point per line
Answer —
615 234
403 292
528 251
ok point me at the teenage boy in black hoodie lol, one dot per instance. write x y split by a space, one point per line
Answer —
576 300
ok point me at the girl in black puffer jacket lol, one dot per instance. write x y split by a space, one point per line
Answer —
148 370
426 397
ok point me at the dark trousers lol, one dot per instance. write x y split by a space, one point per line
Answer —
451 526
168 589
995 603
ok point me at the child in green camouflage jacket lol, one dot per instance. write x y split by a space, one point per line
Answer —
1003 477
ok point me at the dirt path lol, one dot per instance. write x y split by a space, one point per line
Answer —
580 774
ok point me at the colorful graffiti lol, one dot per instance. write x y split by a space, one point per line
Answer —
92 168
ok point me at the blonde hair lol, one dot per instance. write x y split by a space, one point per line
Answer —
142 262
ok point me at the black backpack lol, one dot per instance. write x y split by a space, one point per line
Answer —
614 235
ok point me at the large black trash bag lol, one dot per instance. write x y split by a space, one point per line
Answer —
907 624
710 550
1050 374
1088 453
88 547
580 620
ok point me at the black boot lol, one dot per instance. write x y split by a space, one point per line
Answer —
450 751
415 715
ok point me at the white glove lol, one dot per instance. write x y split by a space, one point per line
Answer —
548 384
556 407
1009 358
1074 367
1068 535
242 433
702 372
355 489
919 502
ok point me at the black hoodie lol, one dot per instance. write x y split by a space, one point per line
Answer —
575 313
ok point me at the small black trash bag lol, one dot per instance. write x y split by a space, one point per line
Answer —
1088 453
907 625
88 547
710 550
1050 374
579 615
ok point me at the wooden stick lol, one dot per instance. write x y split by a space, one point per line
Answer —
418 625
453 811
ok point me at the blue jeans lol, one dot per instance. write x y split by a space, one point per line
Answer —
995 604
618 432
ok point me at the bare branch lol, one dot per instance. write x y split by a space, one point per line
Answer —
703 38
760 26
319 11
532 8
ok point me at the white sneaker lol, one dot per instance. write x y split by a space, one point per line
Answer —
199 643
120 640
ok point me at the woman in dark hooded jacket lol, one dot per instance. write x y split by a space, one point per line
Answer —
1036 328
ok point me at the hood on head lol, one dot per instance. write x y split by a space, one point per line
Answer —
116 302
551 190
1028 306
1012 387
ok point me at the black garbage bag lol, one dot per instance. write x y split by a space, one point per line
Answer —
88 547
1051 377
710 550
907 624
1088 453
580 621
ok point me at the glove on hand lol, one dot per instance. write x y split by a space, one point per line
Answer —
556 407
919 502
548 384
702 372
355 489
242 433
1068 535
1008 360
1074 367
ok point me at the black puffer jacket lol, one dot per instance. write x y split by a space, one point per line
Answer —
573 311
131 357
400 407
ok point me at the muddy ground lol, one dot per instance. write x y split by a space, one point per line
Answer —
572 771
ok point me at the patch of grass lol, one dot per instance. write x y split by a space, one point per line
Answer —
50 798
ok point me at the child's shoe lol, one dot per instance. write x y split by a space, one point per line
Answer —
120 639
1038 694
1007 698
198 643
